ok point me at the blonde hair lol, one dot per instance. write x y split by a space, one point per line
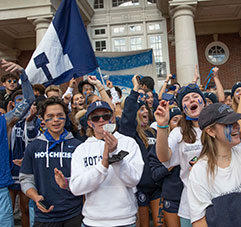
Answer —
234 104
53 88
141 130
209 151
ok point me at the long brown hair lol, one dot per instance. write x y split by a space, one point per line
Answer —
188 132
141 130
209 151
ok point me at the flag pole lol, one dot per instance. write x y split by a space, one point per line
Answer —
101 76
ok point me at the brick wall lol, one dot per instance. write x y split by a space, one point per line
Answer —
229 72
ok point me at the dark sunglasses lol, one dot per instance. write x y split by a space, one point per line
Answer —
10 81
189 86
96 118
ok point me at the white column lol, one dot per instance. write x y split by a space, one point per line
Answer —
185 43
41 26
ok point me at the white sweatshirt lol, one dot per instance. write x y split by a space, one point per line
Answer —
110 199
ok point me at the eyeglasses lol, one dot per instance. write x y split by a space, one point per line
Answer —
189 86
105 117
10 81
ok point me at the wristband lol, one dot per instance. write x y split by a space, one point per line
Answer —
101 89
165 81
162 126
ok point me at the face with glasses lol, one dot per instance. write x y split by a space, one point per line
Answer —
10 84
98 119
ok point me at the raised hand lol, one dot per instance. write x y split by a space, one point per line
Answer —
11 67
162 113
111 141
94 81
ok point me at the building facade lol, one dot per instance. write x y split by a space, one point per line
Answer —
120 25
182 33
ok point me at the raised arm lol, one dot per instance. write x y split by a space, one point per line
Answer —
196 76
28 96
162 117
104 96
164 86
220 91
128 119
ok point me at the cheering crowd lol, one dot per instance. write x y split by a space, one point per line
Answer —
94 158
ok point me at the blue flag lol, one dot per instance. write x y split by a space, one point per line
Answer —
65 50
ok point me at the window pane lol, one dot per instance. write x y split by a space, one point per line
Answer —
100 45
155 44
98 4
119 45
151 1
121 3
135 43
135 28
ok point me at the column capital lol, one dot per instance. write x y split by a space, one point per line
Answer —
182 8
41 23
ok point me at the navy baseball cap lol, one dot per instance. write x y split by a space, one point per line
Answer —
217 113
97 105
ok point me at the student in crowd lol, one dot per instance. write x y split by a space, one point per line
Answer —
115 95
86 88
21 135
135 123
210 98
100 171
183 143
147 82
214 183
228 99
236 98
168 179
164 86
10 82
39 90
7 121
51 150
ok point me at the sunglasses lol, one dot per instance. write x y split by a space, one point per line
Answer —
189 86
105 117
10 81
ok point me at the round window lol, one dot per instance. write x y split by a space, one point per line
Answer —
217 53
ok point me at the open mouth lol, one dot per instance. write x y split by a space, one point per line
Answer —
193 107
235 133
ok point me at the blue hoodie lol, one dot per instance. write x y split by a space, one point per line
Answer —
40 158
5 158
